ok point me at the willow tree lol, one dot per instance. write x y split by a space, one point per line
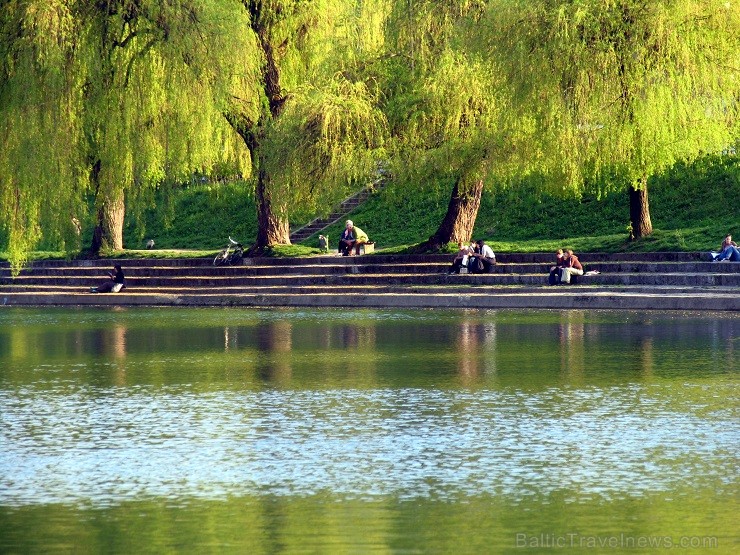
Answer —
39 107
317 132
627 86
162 74
113 98
442 98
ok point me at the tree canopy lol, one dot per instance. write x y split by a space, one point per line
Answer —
318 129
112 99
630 86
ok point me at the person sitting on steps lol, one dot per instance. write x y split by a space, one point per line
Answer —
352 237
729 250
554 278
461 258
114 284
571 267
483 259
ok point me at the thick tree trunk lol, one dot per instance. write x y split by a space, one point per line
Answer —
272 222
640 211
459 221
272 229
108 233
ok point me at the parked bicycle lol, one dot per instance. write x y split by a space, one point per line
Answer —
232 254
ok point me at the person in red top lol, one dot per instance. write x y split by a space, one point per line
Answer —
571 266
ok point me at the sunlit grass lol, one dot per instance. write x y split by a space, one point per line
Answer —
692 209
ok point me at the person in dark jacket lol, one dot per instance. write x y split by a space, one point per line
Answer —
554 278
115 282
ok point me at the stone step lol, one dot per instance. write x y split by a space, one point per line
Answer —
379 258
552 298
367 268
377 288
347 206
243 279
647 280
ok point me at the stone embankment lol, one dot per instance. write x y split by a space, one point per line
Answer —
660 281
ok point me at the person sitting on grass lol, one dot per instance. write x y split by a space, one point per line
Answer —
114 284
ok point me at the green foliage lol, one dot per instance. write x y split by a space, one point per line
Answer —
704 192
291 251
443 100
392 218
632 84
525 211
324 142
124 98
113 99
318 131
204 217
695 205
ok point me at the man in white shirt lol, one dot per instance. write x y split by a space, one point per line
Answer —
485 255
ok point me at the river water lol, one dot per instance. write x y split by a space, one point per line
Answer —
154 430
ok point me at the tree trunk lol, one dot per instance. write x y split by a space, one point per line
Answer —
272 229
108 233
459 221
640 211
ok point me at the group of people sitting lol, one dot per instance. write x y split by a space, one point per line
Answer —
476 258
479 258
566 266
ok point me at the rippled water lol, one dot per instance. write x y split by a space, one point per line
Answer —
324 431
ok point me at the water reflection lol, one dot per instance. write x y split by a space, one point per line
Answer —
274 342
572 344
567 336
612 443
525 409
476 343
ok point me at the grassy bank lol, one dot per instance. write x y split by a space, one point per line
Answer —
692 208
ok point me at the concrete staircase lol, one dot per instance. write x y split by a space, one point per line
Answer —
347 206
662 281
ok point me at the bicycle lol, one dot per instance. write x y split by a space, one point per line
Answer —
232 254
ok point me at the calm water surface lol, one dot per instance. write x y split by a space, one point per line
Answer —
283 431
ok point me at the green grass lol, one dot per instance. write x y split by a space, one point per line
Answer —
198 217
692 208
